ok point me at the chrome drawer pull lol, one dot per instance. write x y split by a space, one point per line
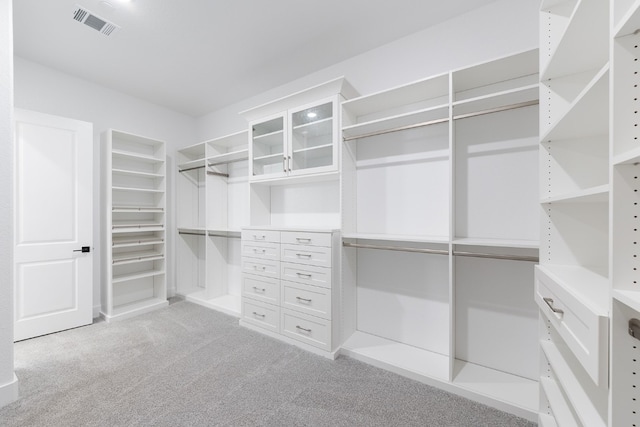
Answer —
256 237
259 315
255 288
303 329
304 256
303 239
307 276
263 268
258 251
304 299
549 302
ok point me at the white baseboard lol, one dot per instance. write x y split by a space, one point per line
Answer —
9 392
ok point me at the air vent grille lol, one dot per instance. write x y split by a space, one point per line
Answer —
88 18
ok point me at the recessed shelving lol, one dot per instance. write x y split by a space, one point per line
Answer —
598 194
124 241
136 173
128 277
139 256
137 156
143 190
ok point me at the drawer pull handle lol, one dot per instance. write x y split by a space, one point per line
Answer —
256 237
304 256
549 302
259 251
634 328
257 289
307 300
303 239
263 268
306 276
259 315
300 328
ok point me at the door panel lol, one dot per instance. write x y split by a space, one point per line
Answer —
53 205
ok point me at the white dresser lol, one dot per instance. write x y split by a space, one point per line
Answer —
290 286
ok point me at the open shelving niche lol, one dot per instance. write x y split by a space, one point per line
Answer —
212 208
134 229
429 255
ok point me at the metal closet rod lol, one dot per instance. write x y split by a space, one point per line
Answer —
437 121
443 252
226 175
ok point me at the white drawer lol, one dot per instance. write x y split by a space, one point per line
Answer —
583 330
307 274
261 236
302 254
261 267
261 288
306 238
263 250
260 314
307 299
308 329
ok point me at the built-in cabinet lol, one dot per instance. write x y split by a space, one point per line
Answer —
134 225
440 230
587 282
398 216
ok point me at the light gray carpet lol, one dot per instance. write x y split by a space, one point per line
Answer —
189 366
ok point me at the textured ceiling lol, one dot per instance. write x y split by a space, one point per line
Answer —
195 56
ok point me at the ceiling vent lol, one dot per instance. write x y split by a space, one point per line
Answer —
88 18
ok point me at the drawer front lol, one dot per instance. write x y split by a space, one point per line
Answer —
584 331
261 267
261 288
307 329
303 254
306 238
260 236
307 274
262 250
307 299
263 315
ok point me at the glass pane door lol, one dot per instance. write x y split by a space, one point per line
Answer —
268 147
312 144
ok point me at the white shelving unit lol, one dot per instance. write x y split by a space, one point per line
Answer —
625 150
133 200
449 257
212 207
573 279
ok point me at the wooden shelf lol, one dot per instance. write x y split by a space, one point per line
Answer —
513 98
228 304
190 165
598 194
142 174
400 238
134 257
135 276
323 125
629 158
629 298
123 242
230 157
629 22
584 45
128 310
136 209
559 406
140 190
498 243
587 115
136 156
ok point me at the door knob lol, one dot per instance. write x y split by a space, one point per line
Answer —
83 249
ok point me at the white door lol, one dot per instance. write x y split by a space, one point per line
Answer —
53 221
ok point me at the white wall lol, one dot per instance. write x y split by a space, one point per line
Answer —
43 89
8 382
496 30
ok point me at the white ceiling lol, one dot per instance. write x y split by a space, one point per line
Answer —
195 56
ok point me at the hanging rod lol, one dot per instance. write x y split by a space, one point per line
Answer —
193 233
497 256
190 169
437 121
397 248
228 236
226 175
497 109
442 252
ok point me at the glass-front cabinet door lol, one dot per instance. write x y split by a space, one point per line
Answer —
313 139
268 142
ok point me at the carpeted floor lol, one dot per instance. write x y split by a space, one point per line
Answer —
190 366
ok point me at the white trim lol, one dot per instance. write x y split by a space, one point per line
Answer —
9 392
